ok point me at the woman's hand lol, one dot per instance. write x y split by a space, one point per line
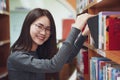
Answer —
81 21
86 31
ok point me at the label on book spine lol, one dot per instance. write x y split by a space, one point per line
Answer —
102 53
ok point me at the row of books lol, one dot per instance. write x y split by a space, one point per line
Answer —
105 30
104 69
94 1
82 4
3 5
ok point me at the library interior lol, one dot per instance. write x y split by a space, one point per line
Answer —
98 59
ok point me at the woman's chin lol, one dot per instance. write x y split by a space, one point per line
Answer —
40 43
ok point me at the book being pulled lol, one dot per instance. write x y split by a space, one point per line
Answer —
105 30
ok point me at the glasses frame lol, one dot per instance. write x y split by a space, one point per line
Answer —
40 27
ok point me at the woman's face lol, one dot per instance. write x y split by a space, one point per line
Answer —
40 30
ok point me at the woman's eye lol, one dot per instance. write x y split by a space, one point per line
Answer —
48 29
39 27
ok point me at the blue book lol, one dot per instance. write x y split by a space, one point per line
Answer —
101 68
114 72
95 72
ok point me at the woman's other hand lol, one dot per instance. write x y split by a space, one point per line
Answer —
81 21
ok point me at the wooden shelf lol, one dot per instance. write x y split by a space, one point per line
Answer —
94 8
4 42
4 13
104 5
113 55
3 72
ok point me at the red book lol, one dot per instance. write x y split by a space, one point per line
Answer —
85 61
114 33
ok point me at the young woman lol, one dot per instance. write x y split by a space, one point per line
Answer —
32 55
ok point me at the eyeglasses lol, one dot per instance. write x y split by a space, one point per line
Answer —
41 27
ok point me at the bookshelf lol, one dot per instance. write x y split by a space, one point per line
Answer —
113 55
4 38
95 7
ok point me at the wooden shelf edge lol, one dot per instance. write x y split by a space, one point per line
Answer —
3 75
73 75
3 72
113 55
102 4
4 42
91 5
4 12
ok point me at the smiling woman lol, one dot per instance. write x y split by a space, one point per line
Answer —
34 55
17 19
40 27
29 41
40 30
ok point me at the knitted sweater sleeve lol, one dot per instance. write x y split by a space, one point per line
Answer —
21 61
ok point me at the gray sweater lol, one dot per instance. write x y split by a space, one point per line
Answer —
27 66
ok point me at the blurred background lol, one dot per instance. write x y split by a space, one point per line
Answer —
61 10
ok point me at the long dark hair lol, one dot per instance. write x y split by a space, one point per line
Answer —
24 42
